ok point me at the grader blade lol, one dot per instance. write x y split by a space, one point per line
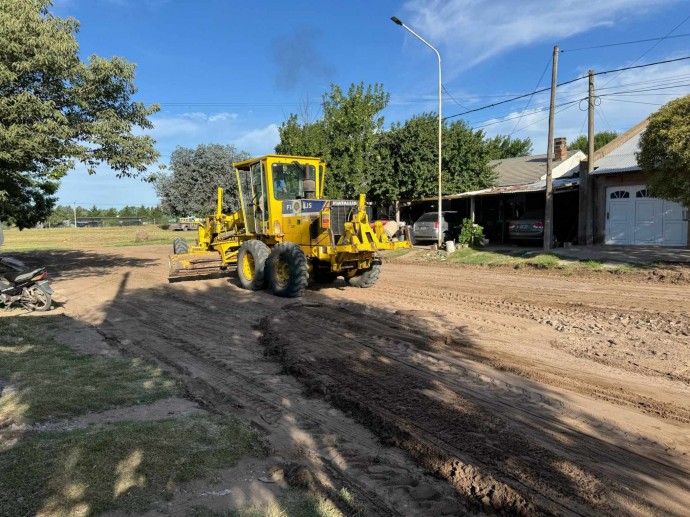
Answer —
194 263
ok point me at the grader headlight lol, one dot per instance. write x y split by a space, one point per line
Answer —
277 229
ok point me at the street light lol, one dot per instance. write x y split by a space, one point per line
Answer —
440 123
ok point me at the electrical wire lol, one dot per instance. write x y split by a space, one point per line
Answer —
660 39
600 111
546 118
565 83
548 61
493 122
655 45
453 98
636 102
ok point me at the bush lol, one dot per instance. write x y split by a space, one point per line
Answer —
471 233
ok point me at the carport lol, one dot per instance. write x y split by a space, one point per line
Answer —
494 207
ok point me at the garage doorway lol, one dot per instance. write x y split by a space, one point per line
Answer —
633 217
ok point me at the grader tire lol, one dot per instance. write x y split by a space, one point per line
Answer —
251 264
287 270
365 278
180 246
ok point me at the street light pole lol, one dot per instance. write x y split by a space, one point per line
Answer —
440 125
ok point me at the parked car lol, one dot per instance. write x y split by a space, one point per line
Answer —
426 227
528 227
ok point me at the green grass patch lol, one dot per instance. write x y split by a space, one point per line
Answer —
480 258
544 261
51 381
127 466
593 265
84 238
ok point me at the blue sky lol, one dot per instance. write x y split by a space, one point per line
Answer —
231 72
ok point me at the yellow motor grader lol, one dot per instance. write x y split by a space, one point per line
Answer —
286 232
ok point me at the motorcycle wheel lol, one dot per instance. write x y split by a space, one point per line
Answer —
36 299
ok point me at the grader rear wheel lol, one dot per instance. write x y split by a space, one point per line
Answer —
251 264
287 270
366 278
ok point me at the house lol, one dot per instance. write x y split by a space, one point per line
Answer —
520 188
622 210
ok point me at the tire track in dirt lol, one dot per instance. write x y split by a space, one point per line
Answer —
309 362
334 444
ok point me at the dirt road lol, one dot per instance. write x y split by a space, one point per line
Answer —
440 391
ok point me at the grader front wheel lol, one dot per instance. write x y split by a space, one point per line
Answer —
251 263
365 278
180 246
287 270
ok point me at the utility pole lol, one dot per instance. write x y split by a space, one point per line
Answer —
590 162
548 212
74 207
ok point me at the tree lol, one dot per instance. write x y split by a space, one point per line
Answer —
190 189
600 140
665 152
56 110
351 128
466 157
502 147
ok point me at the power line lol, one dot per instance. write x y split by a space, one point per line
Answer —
453 98
546 117
661 38
655 44
548 61
565 83
493 122
636 102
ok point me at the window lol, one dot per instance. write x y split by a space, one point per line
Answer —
620 194
642 193
288 179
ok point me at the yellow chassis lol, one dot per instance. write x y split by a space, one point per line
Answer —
220 238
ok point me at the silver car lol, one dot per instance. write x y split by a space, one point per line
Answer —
426 227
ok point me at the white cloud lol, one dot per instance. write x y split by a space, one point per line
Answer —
222 116
472 31
260 141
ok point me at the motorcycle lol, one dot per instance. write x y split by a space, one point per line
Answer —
26 287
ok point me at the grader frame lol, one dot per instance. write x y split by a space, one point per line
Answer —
282 233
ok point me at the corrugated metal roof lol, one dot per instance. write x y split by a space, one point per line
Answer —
558 185
523 170
621 159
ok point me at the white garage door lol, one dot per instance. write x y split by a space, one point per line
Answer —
633 217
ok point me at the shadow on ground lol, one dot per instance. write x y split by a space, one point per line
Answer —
235 351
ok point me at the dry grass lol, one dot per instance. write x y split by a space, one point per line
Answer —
85 238
128 466
51 381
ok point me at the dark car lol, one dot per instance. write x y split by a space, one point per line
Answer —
528 227
426 227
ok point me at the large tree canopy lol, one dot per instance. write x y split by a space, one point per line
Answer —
665 151
600 140
56 110
190 190
502 147
400 162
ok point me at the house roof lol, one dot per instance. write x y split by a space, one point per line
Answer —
621 159
619 154
524 169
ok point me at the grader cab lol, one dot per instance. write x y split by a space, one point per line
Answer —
285 232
